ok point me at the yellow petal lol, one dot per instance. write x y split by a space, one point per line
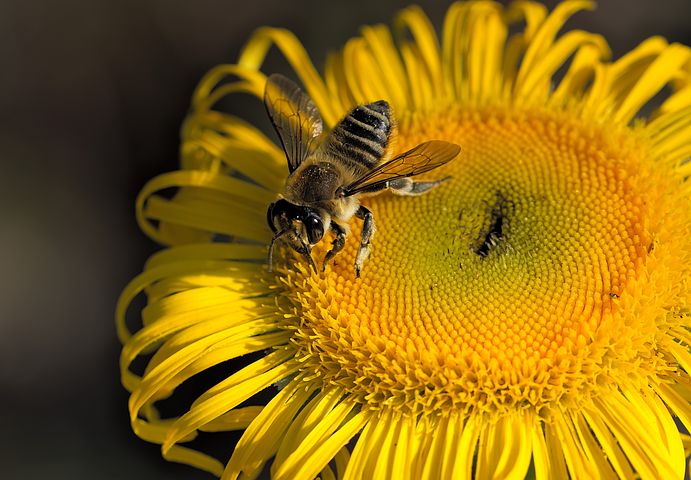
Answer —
453 46
592 450
609 445
326 449
342 460
677 402
485 54
206 251
425 38
321 403
679 100
261 374
382 465
208 93
580 72
238 419
386 55
254 53
265 433
247 202
544 34
541 458
644 453
337 82
513 432
402 455
304 452
195 459
367 442
466 447
555 452
663 69
531 86
434 458
420 87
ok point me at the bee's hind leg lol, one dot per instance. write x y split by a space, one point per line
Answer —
338 243
367 232
407 186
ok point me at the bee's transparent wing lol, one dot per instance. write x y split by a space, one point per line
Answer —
294 116
423 158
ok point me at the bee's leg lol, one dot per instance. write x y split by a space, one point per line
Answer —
367 232
406 186
338 243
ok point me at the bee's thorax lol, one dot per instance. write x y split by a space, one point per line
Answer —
313 182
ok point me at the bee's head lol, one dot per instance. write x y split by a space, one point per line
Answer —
304 223
299 226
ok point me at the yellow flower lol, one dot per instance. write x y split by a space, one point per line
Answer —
531 313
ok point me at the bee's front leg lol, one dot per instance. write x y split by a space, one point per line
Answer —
338 243
367 233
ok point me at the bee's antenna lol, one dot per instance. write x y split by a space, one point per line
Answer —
271 247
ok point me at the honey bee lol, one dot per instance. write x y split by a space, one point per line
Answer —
328 172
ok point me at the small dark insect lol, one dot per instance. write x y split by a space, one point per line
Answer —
329 172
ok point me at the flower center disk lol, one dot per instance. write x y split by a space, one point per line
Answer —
489 290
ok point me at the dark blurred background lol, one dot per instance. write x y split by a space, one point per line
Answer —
92 94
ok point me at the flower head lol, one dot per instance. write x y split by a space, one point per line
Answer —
534 309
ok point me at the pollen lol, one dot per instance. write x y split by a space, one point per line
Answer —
489 291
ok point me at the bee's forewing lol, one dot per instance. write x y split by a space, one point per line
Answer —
294 116
423 158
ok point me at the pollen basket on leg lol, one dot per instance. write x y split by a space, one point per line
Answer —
488 291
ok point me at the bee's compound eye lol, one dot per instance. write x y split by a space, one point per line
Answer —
279 214
314 227
270 217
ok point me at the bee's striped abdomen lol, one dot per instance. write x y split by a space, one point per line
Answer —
361 138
